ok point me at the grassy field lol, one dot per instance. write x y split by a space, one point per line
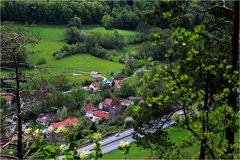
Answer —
95 28
52 39
138 153
175 135
134 153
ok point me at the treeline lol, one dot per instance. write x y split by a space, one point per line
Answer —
52 12
113 14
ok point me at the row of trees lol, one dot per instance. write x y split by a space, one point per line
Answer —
112 14
52 12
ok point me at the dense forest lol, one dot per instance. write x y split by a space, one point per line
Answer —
177 62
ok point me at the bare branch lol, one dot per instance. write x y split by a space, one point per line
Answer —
5 94
169 116
7 68
8 156
6 144
26 154
12 113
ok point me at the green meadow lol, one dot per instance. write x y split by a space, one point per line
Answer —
52 39
136 152
102 30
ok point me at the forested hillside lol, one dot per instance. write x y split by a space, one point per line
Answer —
119 79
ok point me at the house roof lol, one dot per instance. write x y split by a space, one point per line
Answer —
8 97
141 101
116 102
94 72
96 84
117 83
127 102
118 78
89 107
101 114
66 122
42 119
107 101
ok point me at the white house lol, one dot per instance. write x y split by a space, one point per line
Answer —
98 115
95 86
95 74
88 110
126 102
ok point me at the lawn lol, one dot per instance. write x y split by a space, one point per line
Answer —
175 135
52 39
138 153
134 153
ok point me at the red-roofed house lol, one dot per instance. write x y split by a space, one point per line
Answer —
47 119
88 110
118 77
64 123
95 74
104 104
117 82
95 86
98 115
9 99
113 106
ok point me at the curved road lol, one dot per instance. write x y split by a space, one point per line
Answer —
109 144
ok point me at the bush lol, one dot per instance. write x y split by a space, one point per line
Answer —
64 52
98 51
143 26
41 61
92 40
75 22
108 22
126 20
74 35
115 41
79 48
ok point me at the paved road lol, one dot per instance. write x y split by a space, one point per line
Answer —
111 143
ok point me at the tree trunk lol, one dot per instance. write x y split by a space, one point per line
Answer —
204 121
19 116
232 97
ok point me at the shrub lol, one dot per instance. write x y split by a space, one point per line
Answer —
108 22
115 41
64 52
143 26
98 51
126 20
79 48
75 22
74 35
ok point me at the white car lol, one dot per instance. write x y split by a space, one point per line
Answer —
116 135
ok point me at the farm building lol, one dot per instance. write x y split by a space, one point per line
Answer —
95 74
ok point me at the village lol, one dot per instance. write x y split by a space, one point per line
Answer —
108 110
